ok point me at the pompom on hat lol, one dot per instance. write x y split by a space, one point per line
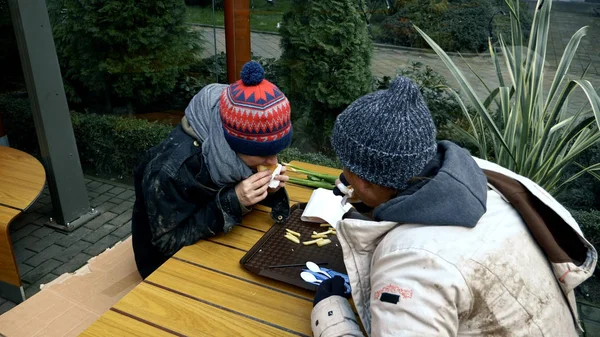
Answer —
255 114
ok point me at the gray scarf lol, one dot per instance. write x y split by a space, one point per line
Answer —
202 114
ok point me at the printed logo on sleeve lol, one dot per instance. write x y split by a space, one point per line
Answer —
393 293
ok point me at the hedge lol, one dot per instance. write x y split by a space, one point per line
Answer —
106 143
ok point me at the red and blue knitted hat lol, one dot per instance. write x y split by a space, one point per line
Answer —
255 114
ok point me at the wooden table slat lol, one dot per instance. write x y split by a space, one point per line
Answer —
203 289
8 267
115 324
22 178
191 317
241 238
250 299
258 220
226 260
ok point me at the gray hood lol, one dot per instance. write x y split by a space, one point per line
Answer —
455 196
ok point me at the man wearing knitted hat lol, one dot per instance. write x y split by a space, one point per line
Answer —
203 178
452 245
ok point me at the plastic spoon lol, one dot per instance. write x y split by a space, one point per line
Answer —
310 278
316 269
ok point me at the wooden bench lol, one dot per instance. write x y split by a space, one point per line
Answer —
22 178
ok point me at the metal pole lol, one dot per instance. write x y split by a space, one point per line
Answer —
237 36
215 41
50 113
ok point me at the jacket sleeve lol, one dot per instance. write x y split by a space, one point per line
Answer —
333 317
416 293
176 222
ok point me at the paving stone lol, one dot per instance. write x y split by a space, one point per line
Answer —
87 180
99 233
107 206
43 220
29 217
25 242
23 232
45 200
74 237
73 264
100 220
117 190
103 188
72 251
47 253
123 231
24 268
42 232
92 194
93 185
100 246
122 207
23 255
46 241
33 289
6 306
99 200
41 270
46 209
127 194
121 219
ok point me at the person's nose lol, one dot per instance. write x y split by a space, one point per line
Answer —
272 160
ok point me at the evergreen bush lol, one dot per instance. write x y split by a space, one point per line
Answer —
325 63
121 52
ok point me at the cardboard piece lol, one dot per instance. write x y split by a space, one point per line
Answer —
72 302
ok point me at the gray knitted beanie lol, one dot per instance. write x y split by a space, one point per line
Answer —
386 137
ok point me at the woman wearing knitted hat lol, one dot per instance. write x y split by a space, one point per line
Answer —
203 178
440 253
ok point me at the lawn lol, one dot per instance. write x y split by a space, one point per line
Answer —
264 16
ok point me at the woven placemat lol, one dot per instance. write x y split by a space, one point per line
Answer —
273 249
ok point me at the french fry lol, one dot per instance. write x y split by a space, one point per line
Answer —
323 242
293 233
306 243
292 238
324 225
317 236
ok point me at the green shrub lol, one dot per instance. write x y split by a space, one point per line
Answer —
121 52
208 70
583 193
11 75
589 221
109 144
457 25
521 125
325 62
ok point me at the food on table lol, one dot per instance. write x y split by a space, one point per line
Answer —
269 168
292 238
323 242
312 242
293 233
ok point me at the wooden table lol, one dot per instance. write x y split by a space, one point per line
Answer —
22 178
204 291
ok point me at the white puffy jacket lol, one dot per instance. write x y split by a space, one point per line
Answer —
490 280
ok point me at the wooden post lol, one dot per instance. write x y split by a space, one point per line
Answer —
237 36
